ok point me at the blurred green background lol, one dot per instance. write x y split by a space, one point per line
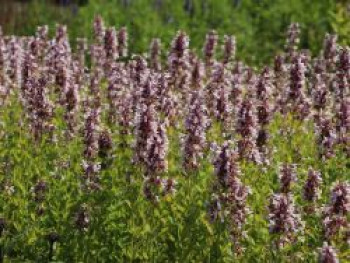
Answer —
259 25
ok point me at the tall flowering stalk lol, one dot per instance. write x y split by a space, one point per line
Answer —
117 83
209 49
343 124
326 137
42 34
90 139
97 48
126 115
263 93
178 60
196 125
327 254
197 75
152 147
246 127
99 29
280 83
229 49
15 56
287 176
229 198
34 93
296 97
284 221
111 48
80 56
59 58
168 101
98 58
320 98
336 213
330 52
226 164
236 81
283 217
219 95
157 149
122 37
311 189
140 77
343 74
146 121
293 39
71 102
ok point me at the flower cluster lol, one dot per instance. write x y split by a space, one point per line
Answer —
196 125
335 215
209 48
229 198
312 186
283 219
287 176
246 124
327 254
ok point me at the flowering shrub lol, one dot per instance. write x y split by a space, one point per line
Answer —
111 156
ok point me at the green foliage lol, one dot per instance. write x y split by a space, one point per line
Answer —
125 227
258 25
341 23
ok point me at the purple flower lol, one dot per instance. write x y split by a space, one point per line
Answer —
343 74
327 254
299 104
229 49
15 56
335 214
196 125
319 97
90 134
312 186
330 51
111 45
283 219
99 29
326 137
246 126
122 37
178 58
229 199
226 165
293 39
146 121
209 48
157 148
287 176
71 102
343 124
